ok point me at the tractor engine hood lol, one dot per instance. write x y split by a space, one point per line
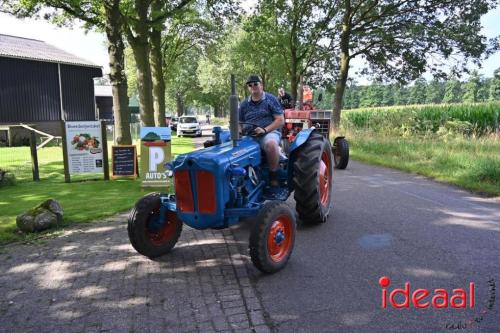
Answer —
202 181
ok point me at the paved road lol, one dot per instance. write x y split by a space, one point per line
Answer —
91 280
386 223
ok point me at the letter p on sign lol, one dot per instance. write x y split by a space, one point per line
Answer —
156 156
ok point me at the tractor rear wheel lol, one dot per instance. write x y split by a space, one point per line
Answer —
272 237
148 236
313 180
340 153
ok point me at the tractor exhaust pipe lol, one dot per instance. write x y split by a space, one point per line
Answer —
233 115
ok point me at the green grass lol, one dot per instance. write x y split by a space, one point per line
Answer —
82 201
472 163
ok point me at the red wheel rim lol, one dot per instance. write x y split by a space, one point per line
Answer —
324 178
166 232
279 238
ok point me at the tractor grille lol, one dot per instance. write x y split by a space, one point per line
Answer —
184 195
205 188
323 128
204 182
321 118
321 114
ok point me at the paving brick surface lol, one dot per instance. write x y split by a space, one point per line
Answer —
91 280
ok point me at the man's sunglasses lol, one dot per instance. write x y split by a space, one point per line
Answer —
253 84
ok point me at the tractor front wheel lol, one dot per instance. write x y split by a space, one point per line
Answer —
340 153
313 180
147 234
272 237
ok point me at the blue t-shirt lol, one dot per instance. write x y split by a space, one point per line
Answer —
260 113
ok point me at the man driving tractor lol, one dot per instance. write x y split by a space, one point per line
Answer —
263 110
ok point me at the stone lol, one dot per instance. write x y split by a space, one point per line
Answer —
26 222
45 220
55 207
44 216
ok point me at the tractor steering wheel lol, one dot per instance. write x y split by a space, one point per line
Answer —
249 130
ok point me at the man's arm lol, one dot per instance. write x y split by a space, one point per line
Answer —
277 112
277 123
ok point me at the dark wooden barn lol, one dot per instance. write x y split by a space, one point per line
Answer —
104 103
41 85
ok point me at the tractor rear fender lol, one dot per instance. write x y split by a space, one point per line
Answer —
300 139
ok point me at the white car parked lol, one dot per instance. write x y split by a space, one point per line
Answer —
188 125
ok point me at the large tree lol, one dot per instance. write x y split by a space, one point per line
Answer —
101 15
296 29
471 88
145 20
266 59
435 92
453 91
418 91
400 39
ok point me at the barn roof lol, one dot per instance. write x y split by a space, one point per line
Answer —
33 49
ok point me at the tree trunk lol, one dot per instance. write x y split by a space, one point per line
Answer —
294 78
140 48
157 78
144 83
344 71
117 74
157 68
180 104
219 110
216 110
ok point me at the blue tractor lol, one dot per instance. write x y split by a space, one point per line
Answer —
227 182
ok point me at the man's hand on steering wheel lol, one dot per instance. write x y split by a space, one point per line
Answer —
252 129
259 131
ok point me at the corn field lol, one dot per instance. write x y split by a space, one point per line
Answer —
466 119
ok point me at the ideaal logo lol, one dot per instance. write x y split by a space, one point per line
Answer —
440 297
458 298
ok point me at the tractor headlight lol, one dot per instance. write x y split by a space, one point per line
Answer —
169 172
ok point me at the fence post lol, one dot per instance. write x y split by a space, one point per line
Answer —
34 157
67 177
105 162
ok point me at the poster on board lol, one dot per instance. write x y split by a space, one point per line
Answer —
155 152
84 145
124 158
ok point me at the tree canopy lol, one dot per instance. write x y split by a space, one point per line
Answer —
178 55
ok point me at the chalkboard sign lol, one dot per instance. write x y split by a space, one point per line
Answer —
124 161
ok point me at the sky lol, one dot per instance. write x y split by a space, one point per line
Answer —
92 45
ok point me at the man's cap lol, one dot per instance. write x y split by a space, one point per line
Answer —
253 78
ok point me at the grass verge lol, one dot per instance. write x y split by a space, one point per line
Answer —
473 164
82 201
